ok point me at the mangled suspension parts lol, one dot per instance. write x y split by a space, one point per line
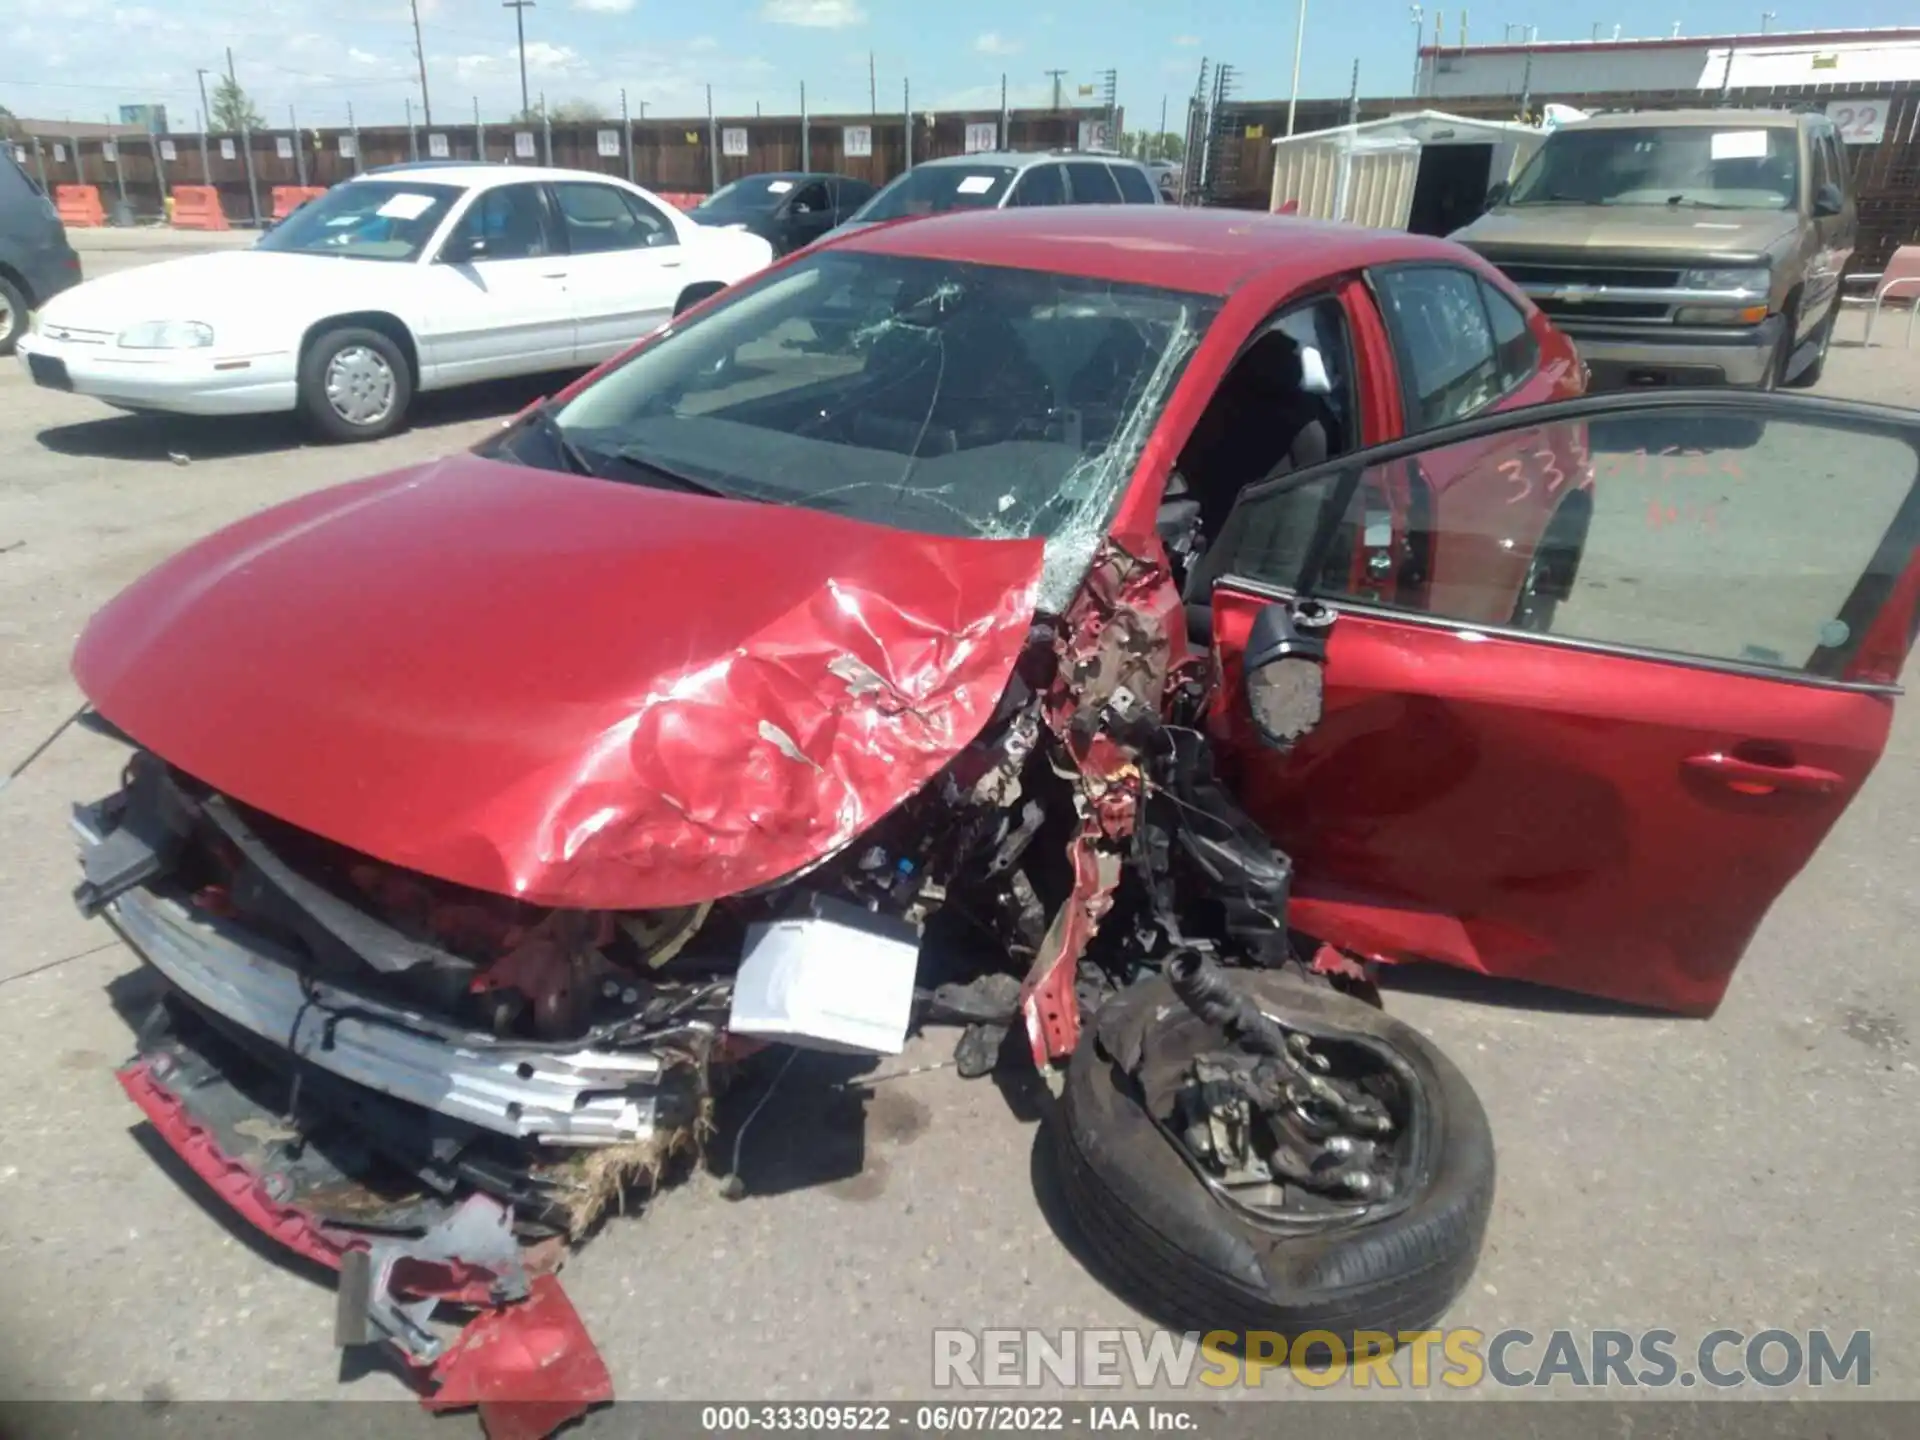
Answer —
1268 1110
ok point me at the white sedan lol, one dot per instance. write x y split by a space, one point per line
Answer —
408 279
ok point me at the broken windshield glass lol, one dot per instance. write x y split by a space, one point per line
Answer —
948 398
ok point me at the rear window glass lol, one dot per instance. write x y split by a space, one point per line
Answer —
932 189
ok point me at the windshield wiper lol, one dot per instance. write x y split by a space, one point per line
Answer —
1680 202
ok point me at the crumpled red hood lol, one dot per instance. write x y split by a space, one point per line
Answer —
573 691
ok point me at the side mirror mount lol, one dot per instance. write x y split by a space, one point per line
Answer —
1497 194
1285 666
464 250
1828 200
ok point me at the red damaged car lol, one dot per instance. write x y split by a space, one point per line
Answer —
1125 626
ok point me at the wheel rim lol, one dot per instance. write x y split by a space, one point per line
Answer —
6 317
360 385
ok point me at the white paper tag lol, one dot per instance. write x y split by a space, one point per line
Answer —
437 146
779 187
1738 145
406 207
349 147
283 146
976 185
523 145
226 149
167 152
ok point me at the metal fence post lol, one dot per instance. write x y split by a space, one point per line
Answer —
253 181
79 169
40 162
159 167
713 144
299 150
806 137
906 111
626 133
413 142
546 128
112 147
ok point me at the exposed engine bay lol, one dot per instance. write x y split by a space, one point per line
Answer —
453 1083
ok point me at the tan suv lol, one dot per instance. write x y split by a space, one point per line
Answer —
1682 247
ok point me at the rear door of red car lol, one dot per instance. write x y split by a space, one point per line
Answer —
1607 791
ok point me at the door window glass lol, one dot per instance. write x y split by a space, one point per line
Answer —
1444 343
1092 183
599 218
813 198
1135 188
1514 344
1717 534
1042 185
508 223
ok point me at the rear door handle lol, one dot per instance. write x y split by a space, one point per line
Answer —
670 264
1751 777
554 275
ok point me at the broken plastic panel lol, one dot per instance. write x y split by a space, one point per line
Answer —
835 978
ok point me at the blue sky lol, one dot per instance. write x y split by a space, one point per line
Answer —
82 58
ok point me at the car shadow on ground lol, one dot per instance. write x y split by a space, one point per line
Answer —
182 439
1443 982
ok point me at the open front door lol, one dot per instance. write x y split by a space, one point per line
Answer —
1605 792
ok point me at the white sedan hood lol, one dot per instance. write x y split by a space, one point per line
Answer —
254 285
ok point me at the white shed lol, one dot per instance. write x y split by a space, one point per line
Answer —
1425 171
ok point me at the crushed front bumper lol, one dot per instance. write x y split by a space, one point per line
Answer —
555 1095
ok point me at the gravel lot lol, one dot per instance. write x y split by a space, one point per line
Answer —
1742 1172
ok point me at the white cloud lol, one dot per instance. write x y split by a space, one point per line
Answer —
361 57
993 43
815 14
702 43
475 67
1186 39
548 59
604 7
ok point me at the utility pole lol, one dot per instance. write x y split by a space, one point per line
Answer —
480 131
1419 34
1353 94
906 111
246 144
420 54
806 136
1055 76
413 145
206 120
519 8
1299 39
1766 19
1006 119
353 129
873 94
626 133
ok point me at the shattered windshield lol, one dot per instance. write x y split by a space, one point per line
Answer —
1688 166
946 398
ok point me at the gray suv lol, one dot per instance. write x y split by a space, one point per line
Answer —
993 179
36 263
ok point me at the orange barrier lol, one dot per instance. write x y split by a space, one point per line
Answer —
289 198
680 199
79 205
197 207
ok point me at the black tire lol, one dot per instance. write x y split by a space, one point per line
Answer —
1553 569
1810 377
13 315
372 369
1188 1259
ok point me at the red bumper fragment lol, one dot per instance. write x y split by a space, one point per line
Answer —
529 1367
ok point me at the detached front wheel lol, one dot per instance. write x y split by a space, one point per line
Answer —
355 384
1223 1190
